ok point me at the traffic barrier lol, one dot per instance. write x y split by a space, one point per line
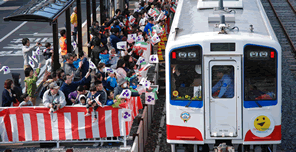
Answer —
27 124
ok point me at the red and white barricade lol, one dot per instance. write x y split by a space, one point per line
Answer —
69 123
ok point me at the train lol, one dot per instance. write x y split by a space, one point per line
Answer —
223 77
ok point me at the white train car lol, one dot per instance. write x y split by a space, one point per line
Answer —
224 76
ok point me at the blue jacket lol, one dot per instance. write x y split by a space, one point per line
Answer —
148 26
117 26
6 99
111 83
67 89
225 85
104 58
109 102
76 63
114 39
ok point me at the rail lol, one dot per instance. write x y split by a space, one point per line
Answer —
282 25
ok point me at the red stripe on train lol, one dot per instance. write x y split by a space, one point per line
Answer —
275 135
183 133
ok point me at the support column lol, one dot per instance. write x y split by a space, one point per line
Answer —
56 65
68 30
88 24
79 22
94 12
101 11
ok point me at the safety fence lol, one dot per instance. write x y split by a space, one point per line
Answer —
69 124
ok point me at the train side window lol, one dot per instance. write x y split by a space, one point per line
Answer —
223 81
260 76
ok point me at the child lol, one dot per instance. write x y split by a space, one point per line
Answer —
117 101
30 82
133 80
110 100
114 58
76 61
111 82
48 51
105 57
82 100
92 101
26 100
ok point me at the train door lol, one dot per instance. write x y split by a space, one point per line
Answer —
223 101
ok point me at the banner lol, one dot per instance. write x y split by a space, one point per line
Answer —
35 124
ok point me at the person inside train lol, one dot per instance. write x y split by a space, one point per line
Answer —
224 88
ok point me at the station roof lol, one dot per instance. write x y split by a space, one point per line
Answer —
40 11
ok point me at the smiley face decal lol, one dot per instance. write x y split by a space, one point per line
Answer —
262 123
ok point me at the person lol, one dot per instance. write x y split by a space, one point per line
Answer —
224 87
82 100
60 74
16 77
101 92
110 100
63 43
30 82
101 68
54 98
74 23
148 27
25 100
75 95
69 67
117 102
70 86
114 58
47 53
27 50
114 38
122 84
8 94
76 61
105 57
120 71
111 82
95 104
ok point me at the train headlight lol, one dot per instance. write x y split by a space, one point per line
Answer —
231 134
253 54
182 54
191 54
214 134
263 54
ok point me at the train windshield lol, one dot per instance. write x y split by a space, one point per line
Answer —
260 73
186 73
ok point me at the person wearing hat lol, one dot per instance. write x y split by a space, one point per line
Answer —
122 84
224 88
54 98
148 27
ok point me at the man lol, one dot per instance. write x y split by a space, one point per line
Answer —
74 23
224 87
114 38
70 68
27 50
53 98
70 86
122 84
63 42
75 95
148 27
101 92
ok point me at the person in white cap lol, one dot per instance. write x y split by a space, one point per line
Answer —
54 98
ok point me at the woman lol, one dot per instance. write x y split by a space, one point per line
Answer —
8 95
30 82
120 69
16 77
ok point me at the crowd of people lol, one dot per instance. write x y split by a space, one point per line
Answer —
75 83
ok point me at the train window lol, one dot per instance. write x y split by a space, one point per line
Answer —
186 73
223 81
260 74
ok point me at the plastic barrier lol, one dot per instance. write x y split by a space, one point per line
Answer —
69 123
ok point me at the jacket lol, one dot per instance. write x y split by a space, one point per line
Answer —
114 39
63 45
69 68
27 51
148 27
17 86
47 54
31 84
48 98
102 98
111 83
104 58
7 99
75 95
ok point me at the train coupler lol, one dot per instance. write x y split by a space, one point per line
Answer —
224 148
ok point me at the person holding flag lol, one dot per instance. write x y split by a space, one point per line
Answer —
27 50
30 82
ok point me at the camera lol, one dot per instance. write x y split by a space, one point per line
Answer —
55 105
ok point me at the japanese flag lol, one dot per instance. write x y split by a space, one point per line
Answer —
31 62
141 61
92 65
150 98
126 114
34 57
126 93
121 45
153 59
38 51
5 69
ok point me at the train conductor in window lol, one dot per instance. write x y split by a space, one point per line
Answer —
224 88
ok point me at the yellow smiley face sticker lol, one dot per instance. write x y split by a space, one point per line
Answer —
262 123
175 93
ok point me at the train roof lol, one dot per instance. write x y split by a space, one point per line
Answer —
196 16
